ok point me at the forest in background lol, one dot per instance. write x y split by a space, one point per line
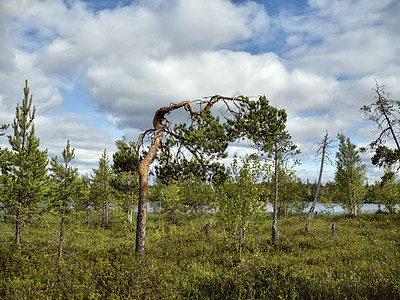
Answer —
201 206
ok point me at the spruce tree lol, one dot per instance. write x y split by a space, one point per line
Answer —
26 178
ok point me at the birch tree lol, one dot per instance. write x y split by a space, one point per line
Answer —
265 128
349 175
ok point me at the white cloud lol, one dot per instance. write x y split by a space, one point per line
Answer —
137 58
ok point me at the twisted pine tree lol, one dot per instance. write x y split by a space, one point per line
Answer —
24 183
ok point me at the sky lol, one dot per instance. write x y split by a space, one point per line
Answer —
99 69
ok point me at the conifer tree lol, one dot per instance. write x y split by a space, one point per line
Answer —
25 182
65 178
126 181
101 185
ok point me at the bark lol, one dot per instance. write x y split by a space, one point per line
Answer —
143 194
312 208
275 231
60 247
106 206
355 203
389 124
87 212
18 227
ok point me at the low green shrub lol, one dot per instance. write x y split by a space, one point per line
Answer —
361 261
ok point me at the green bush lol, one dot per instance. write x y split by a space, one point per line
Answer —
361 261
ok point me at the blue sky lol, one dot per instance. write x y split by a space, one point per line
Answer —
98 69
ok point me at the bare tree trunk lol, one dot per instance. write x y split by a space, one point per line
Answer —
143 194
60 247
324 145
241 240
106 207
390 124
275 231
355 203
87 212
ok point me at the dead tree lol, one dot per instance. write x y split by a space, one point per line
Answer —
322 149
385 113
160 128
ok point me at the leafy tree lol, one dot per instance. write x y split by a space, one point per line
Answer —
388 191
171 195
82 200
349 175
291 197
242 196
198 194
385 113
101 185
65 177
125 183
265 126
24 184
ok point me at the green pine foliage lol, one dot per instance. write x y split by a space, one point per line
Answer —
64 179
126 182
26 177
101 188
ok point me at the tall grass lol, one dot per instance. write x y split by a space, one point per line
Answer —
361 261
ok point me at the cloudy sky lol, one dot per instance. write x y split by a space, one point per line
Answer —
98 69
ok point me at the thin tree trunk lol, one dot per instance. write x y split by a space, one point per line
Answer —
275 231
355 204
60 247
312 208
87 212
106 207
18 227
390 126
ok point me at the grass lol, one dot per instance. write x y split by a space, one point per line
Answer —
361 261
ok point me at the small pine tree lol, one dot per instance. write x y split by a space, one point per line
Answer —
24 183
101 185
65 177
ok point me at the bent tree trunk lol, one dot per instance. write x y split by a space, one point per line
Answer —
159 125
143 194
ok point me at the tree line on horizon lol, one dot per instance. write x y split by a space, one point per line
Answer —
192 181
